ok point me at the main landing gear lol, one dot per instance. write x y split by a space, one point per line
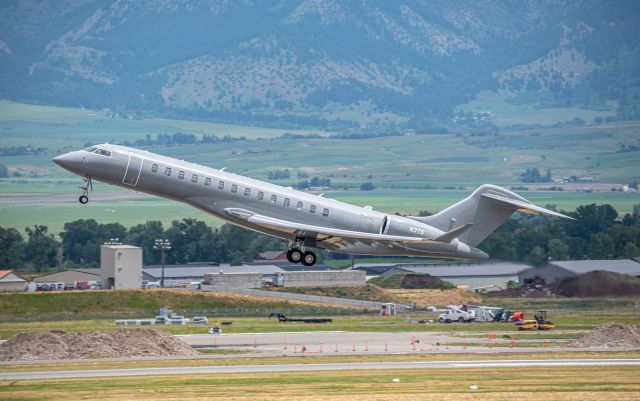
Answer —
86 184
295 255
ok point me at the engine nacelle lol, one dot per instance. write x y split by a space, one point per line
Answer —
398 225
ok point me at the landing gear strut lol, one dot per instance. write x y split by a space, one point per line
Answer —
86 184
296 255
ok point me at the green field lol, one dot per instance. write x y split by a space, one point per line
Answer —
495 384
411 173
131 212
508 113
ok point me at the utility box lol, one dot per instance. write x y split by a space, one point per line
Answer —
120 267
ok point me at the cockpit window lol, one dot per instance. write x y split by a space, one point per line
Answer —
97 150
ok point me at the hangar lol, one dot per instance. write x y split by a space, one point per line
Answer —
11 281
473 275
557 270
69 277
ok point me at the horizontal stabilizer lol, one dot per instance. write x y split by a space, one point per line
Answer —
455 233
523 206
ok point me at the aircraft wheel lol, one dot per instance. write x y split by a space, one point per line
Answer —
83 199
294 255
309 259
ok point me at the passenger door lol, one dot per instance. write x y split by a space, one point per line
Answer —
134 167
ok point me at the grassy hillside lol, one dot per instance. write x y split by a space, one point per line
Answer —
137 301
365 293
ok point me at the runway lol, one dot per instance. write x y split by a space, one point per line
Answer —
515 363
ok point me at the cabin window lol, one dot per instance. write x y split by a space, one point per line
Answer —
325 212
299 206
194 178
207 182
220 184
274 198
154 168
167 171
260 195
286 202
181 175
247 192
234 188
312 209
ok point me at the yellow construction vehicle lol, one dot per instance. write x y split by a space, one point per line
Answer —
540 322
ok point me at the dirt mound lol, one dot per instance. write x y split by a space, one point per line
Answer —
441 298
412 281
598 284
57 344
610 335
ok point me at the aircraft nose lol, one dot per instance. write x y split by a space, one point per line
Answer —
68 161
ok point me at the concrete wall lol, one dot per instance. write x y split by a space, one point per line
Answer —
341 278
549 273
121 266
232 281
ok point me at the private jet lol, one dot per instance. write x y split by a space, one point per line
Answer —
302 219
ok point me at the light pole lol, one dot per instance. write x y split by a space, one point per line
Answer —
163 245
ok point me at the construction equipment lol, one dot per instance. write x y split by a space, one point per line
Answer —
282 318
540 322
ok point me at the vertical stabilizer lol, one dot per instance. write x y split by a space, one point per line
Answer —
486 209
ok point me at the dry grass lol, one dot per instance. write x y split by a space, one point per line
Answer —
556 383
441 298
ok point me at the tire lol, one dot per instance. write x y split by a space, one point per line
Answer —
308 259
294 255
441 320
460 320
83 199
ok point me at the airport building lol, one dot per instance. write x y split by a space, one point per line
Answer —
120 267
11 281
70 279
475 276
557 270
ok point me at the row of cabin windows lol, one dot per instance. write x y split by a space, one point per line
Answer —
234 189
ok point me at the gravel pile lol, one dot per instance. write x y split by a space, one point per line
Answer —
610 335
58 344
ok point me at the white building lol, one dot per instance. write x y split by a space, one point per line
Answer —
120 267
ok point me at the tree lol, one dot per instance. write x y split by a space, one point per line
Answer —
590 219
367 186
12 246
144 236
81 239
558 249
191 241
41 248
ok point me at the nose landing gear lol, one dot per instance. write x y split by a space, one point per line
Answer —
86 184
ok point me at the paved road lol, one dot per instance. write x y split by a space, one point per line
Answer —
316 367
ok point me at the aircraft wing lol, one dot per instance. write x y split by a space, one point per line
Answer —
328 234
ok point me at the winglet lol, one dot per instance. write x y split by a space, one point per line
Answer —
451 235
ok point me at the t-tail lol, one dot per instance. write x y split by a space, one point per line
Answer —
483 212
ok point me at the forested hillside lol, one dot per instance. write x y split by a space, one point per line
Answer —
351 66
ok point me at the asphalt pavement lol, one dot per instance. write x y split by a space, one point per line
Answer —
317 367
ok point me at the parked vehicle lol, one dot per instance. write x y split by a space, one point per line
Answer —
456 314
199 320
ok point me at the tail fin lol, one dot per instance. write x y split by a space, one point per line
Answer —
486 209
